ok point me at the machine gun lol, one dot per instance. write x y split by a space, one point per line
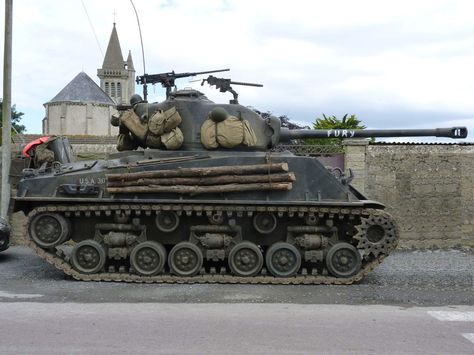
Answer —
224 85
167 79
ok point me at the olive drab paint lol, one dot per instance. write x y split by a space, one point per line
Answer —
235 212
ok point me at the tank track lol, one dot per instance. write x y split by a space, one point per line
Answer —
60 262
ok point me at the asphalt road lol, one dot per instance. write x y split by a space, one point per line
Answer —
415 302
170 328
414 278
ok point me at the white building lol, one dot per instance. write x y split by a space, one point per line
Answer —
84 108
81 107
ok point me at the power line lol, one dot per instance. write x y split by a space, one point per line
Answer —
92 27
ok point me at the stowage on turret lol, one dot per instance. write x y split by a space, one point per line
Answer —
196 195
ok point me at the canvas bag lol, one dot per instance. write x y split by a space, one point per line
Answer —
173 140
130 120
163 122
230 132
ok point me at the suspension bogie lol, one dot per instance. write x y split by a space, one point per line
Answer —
200 242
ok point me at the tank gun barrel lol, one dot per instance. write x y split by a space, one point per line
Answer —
452 132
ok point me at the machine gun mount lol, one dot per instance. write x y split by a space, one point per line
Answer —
167 80
224 85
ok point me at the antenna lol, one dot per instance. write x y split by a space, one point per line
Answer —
145 92
92 27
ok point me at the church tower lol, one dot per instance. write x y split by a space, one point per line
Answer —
117 77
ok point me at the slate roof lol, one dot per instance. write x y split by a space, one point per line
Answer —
82 89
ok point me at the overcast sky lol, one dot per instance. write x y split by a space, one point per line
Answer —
394 64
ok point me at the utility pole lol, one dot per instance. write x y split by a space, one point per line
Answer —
6 112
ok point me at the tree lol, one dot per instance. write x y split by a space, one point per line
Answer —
332 122
16 118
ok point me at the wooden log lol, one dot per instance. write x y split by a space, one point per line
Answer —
206 181
194 190
205 171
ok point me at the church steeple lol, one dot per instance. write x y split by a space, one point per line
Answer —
130 61
113 56
117 77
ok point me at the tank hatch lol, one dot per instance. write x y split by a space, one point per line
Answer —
186 94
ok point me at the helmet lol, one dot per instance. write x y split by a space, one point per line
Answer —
218 114
136 99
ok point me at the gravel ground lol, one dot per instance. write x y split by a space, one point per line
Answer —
406 278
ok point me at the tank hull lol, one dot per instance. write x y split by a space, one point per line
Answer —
204 217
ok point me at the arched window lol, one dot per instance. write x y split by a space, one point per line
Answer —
112 90
119 90
107 88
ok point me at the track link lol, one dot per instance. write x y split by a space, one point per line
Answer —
87 210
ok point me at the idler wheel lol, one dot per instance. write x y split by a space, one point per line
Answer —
185 259
88 257
343 260
283 259
245 259
167 221
148 258
49 230
265 222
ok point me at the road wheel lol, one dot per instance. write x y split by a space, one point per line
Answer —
283 259
148 258
185 259
343 260
245 259
88 257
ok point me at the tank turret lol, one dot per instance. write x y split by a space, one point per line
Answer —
204 124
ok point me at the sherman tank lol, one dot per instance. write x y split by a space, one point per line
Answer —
196 195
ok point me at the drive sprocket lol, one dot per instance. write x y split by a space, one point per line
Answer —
377 234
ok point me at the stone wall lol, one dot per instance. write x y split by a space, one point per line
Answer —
429 189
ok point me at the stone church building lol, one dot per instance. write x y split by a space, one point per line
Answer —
84 108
